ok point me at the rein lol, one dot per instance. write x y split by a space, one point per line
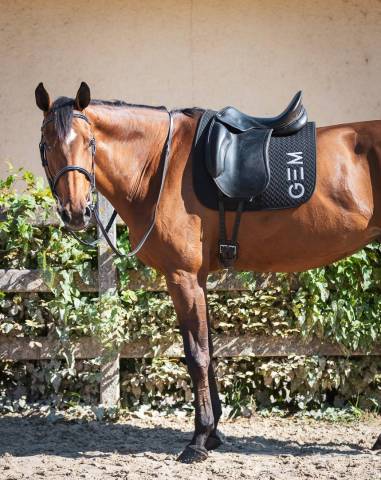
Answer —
93 193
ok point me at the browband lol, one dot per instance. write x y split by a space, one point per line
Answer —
75 114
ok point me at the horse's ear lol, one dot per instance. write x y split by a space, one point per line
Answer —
83 96
42 98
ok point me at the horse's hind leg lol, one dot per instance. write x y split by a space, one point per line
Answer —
188 295
213 441
377 445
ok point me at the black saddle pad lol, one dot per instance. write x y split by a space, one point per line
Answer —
292 162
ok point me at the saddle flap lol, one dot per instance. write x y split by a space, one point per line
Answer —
238 160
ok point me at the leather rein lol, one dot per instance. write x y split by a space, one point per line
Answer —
93 193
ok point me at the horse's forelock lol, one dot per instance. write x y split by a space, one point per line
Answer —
63 116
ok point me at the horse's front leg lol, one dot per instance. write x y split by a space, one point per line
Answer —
189 298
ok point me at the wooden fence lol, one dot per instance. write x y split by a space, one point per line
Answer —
105 280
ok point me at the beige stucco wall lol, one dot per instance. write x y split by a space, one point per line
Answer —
253 54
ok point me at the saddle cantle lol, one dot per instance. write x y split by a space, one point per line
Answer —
237 144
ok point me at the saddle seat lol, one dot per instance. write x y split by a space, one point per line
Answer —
290 121
236 151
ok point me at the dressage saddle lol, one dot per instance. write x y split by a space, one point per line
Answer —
237 147
237 158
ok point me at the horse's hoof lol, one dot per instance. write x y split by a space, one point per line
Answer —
377 445
193 454
213 442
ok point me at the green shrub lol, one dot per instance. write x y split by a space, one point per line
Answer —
340 302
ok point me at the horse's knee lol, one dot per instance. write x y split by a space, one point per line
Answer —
198 359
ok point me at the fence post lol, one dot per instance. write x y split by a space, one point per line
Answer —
109 384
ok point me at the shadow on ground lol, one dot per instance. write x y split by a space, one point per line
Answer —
27 437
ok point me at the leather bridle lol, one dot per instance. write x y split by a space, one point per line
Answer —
53 179
93 194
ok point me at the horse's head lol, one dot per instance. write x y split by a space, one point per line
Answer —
67 152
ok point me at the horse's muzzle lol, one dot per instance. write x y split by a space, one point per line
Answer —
75 219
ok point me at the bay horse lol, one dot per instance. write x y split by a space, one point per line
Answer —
342 216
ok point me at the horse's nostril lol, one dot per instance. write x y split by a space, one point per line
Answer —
88 212
65 215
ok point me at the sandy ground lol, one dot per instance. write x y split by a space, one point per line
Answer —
140 449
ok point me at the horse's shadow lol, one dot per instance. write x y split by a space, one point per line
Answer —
25 437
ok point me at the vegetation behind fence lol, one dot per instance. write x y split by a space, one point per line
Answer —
284 341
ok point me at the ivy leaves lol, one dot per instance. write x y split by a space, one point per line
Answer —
340 302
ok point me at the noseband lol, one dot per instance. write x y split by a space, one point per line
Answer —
93 194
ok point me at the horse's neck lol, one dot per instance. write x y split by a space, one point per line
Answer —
129 145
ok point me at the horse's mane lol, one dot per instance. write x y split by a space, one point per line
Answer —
63 112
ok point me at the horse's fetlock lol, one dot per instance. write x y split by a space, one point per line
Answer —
205 423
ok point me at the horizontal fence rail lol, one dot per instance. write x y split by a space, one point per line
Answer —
105 280
43 348
13 280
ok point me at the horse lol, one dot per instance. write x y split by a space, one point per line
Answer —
342 216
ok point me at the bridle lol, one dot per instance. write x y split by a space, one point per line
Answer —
53 179
93 194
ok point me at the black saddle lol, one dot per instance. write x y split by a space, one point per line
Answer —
237 147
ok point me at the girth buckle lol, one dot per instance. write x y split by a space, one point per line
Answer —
228 251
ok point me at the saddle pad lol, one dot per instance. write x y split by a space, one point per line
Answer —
292 162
